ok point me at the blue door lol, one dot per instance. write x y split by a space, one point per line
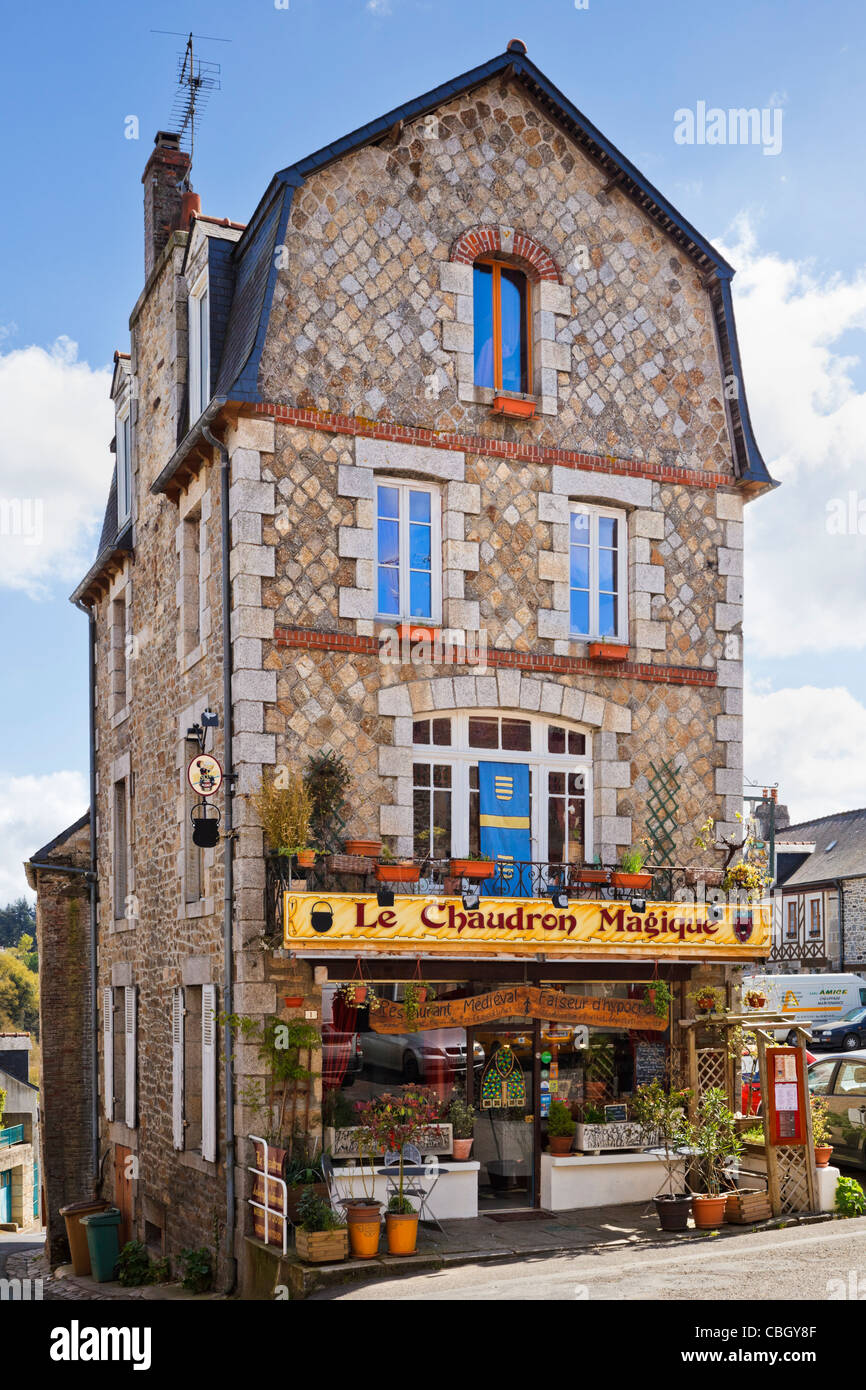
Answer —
6 1196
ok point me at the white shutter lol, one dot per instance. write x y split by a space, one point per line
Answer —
130 1028
209 1072
177 1016
108 1052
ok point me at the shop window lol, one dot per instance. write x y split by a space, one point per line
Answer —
502 327
408 551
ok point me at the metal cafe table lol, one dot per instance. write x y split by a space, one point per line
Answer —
414 1170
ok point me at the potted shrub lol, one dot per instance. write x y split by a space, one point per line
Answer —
327 780
560 1128
320 1236
284 809
714 1135
821 1134
663 1117
391 1122
461 1117
482 867
629 875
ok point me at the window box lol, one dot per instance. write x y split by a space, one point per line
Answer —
370 849
608 651
415 632
514 409
621 880
472 868
619 1134
591 876
348 863
397 873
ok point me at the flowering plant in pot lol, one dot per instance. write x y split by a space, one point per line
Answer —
821 1134
560 1128
755 999
657 993
358 994
415 993
461 1116
390 1122
714 1135
629 875
707 999
663 1116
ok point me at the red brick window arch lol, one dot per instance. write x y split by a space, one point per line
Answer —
505 265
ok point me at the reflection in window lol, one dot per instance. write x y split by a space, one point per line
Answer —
565 817
596 570
406 518
501 327
431 799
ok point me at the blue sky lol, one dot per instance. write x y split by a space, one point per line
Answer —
294 78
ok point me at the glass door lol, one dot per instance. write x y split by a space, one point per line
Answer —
506 1116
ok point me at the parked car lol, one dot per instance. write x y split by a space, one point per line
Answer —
845 1033
342 1057
841 1082
438 1054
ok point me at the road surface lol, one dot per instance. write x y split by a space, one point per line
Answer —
819 1261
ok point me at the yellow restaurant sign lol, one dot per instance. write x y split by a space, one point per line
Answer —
522 927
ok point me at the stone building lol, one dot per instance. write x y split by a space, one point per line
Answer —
464 369
19 1136
819 897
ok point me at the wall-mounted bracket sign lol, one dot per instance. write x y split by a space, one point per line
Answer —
526 927
205 775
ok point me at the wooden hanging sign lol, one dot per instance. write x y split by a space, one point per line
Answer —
514 1000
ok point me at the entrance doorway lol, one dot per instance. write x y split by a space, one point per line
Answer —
507 1120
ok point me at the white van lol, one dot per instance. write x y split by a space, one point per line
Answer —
807 999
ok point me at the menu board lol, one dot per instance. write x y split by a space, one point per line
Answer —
650 1062
787 1096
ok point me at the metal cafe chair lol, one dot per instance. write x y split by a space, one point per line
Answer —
335 1197
414 1171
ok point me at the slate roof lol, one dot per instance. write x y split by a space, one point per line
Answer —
61 839
847 858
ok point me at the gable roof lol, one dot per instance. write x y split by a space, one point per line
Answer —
844 830
255 264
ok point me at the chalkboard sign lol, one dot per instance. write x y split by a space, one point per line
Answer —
650 1062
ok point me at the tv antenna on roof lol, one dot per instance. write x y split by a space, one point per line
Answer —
197 79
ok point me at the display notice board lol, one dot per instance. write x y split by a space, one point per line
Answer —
788 1096
650 1062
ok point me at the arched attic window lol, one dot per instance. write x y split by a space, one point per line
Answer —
502 312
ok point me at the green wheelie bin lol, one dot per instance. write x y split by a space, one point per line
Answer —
102 1242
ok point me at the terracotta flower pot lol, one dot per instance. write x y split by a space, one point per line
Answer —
559 1143
472 868
397 873
402 1233
591 876
365 1224
822 1154
370 849
462 1148
306 858
417 632
622 880
293 1001
517 410
709 1211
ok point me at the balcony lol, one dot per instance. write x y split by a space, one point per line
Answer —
527 879
13 1135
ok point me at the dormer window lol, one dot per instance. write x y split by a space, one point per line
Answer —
199 349
124 469
502 327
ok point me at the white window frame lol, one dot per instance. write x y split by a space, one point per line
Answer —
404 486
812 901
199 330
123 455
460 757
594 513
786 925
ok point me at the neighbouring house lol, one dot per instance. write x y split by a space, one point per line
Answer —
19 1136
819 897
464 374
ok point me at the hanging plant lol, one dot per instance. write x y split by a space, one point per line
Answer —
747 877
358 994
417 992
658 994
707 999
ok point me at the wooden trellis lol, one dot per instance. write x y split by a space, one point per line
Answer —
664 783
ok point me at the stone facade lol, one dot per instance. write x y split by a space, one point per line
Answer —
366 370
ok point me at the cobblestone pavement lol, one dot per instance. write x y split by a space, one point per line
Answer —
63 1286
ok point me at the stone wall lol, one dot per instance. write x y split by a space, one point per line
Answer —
854 923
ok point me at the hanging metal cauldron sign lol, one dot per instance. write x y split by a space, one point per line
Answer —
205 824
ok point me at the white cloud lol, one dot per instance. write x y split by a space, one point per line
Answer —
807 737
55 467
32 811
805 587
378 7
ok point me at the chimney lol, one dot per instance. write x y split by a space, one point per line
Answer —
164 173
15 1055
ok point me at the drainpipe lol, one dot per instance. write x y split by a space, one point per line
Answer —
840 899
94 1012
228 874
